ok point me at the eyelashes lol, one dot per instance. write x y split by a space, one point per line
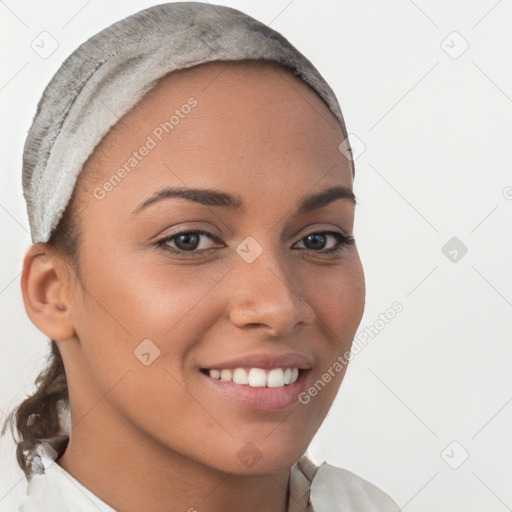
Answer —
341 241
193 237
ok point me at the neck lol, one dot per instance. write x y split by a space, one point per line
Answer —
129 472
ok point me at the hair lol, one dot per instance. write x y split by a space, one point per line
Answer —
36 418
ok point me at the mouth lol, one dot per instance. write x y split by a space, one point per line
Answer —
255 377
257 389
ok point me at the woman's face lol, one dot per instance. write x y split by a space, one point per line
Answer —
154 313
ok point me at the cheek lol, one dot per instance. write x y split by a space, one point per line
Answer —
125 303
138 328
338 298
337 295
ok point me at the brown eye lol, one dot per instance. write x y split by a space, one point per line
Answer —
316 242
186 242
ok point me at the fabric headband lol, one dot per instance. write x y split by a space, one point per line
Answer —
108 74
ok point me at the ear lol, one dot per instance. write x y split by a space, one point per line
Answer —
46 289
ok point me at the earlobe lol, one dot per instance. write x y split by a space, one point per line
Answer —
46 292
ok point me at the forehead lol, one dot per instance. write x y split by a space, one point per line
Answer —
242 124
255 94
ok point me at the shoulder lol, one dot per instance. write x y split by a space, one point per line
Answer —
337 487
49 488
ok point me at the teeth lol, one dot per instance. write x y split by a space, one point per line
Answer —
226 375
275 378
239 376
215 374
257 377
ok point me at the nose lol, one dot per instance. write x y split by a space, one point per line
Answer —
265 294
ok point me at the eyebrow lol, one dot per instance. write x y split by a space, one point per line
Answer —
210 197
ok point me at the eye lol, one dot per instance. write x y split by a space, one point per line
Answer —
190 242
316 241
186 241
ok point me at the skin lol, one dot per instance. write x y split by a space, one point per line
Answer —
157 434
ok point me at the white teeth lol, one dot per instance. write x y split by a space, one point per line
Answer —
226 375
239 376
257 377
275 378
215 374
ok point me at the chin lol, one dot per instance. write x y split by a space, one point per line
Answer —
249 459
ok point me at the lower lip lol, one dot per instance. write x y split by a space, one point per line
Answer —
260 399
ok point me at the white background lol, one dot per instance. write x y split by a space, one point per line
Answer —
436 128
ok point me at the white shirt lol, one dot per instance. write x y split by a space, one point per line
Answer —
313 489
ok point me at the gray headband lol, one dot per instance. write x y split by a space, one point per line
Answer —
109 73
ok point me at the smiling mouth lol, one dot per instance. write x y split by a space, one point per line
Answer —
255 377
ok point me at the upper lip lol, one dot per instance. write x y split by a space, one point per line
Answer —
266 361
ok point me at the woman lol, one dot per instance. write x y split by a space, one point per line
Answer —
195 269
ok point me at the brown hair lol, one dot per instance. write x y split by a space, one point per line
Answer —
36 418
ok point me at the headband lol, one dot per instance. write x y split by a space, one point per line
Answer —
108 74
